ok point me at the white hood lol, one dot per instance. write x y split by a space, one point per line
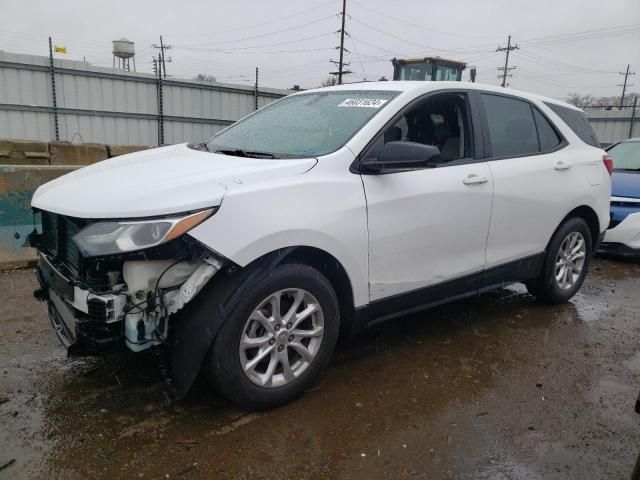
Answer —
160 181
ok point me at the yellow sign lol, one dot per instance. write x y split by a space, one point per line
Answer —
58 49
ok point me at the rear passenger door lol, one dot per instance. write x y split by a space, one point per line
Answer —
532 174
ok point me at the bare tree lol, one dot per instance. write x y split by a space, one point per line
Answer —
329 82
580 101
204 77
583 101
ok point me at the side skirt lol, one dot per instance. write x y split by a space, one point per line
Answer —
464 287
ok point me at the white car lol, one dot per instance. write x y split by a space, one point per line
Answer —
319 214
623 237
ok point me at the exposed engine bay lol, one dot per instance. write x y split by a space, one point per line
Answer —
101 303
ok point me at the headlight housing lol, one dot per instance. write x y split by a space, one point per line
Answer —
113 237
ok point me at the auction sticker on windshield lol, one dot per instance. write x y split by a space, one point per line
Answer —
363 102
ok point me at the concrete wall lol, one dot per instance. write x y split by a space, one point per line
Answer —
24 166
104 105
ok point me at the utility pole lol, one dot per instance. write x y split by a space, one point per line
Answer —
341 63
633 115
54 101
624 85
162 63
341 66
255 90
506 69
157 71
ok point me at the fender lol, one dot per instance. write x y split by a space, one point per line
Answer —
197 325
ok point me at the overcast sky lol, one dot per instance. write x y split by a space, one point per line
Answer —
565 45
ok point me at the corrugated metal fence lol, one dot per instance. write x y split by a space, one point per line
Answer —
612 124
103 105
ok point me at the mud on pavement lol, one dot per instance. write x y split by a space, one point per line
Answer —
497 387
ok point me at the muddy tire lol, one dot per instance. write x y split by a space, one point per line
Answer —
274 344
566 263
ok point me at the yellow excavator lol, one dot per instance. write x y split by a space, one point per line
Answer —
429 69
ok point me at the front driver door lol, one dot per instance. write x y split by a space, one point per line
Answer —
429 226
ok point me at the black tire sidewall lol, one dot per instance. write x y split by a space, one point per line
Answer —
549 285
223 362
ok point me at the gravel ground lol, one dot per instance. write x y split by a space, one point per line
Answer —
498 387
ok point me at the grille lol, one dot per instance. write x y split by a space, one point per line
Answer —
97 309
57 235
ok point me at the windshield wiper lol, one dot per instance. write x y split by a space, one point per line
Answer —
244 153
626 169
199 146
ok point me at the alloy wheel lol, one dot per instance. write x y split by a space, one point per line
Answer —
570 260
281 338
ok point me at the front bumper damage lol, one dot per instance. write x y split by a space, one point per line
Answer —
135 313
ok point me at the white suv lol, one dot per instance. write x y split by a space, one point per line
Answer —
319 214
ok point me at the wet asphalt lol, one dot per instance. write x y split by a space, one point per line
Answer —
497 387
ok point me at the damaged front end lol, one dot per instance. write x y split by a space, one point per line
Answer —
111 284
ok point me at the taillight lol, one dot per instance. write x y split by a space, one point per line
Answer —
608 162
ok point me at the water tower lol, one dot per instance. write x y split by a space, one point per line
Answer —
123 51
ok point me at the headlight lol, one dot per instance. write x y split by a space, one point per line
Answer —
108 238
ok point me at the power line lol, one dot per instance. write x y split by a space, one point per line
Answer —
506 69
358 58
247 27
386 16
288 29
480 58
605 31
411 42
624 85
536 78
372 45
249 47
540 60
582 38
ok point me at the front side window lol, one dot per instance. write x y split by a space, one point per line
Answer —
512 129
441 121
305 125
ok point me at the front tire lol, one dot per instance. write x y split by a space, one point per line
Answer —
566 263
276 342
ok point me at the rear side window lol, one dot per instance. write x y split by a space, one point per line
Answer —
576 120
547 135
512 129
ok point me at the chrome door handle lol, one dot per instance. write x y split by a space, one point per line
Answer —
473 179
562 166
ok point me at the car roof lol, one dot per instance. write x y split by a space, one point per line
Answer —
420 87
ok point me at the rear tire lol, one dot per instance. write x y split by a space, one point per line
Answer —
277 341
566 263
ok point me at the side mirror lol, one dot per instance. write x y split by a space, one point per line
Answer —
404 155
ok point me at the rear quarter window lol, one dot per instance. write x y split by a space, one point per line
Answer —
577 122
547 135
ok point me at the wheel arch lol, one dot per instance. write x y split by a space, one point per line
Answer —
589 215
197 325
335 272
